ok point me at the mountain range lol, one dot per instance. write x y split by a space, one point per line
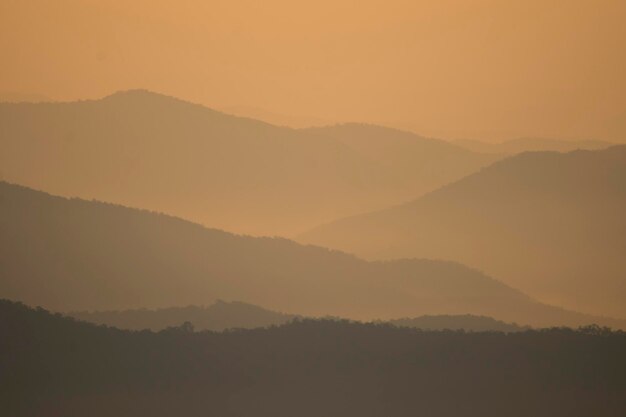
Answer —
551 224
71 254
223 315
219 316
148 150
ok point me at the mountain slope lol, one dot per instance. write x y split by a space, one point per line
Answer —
147 150
51 365
79 255
407 156
550 224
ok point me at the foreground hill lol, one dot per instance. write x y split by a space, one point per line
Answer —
550 224
147 150
51 365
79 255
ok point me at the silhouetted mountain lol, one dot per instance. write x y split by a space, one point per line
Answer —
147 150
79 255
51 365
218 316
236 315
531 144
465 322
550 224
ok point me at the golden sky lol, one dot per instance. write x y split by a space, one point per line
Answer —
480 69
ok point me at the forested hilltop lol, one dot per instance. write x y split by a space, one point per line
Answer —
52 365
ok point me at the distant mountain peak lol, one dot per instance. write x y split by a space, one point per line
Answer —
140 94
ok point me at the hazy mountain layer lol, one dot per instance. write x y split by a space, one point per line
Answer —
147 150
79 255
51 365
236 315
550 224
407 157
218 316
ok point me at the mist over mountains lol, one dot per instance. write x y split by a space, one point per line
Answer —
98 256
312 209
151 151
147 150
548 223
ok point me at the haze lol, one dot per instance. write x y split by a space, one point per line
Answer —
489 70
332 208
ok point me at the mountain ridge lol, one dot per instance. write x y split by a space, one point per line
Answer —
225 315
50 362
567 205
144 149
95 255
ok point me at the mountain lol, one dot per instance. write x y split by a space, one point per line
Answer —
531 144
223 315
218 316
548 223
143 149
72 254
406 156
52 365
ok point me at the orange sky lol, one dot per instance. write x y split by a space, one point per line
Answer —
481 69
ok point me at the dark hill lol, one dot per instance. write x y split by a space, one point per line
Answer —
54 366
